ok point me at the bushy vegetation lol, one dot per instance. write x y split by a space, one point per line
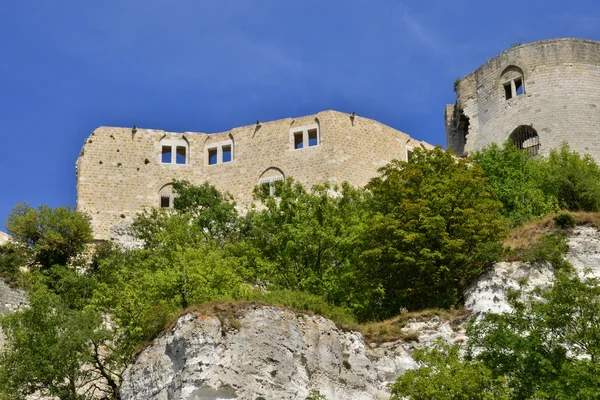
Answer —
547 348
414 238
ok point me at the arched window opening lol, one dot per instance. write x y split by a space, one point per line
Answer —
269 179
166 197
526 139
512 82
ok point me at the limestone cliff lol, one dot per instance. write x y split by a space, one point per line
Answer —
270 353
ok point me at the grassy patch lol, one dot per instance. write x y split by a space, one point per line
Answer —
392 329
545 239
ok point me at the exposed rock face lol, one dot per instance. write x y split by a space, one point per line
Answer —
272 354
275 354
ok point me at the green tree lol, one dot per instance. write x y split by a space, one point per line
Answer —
516 183
444 375
51 235
305 240
434 227
572 179
53 350
213 211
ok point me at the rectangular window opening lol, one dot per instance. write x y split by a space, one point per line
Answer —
212 156
181 156
507 91
298 140
519 86
165 201
226 154
313 139
166 154
409 154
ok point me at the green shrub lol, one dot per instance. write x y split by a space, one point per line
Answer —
564 220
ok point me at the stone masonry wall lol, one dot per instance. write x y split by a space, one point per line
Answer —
561 98
119 173
10 301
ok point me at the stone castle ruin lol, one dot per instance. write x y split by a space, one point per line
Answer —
537 95
122 171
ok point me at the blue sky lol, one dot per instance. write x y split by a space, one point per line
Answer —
67 67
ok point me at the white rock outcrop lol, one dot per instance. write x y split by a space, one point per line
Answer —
275 354
271 354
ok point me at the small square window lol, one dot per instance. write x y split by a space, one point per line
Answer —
212 156
166 154
226 154
181 156
165 201
313 139
519 86
507 91
298 140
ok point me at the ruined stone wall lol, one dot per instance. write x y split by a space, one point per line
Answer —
119 172
10 301
560 100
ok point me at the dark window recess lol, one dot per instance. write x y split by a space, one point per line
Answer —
212 156
409 155
165 201
518 86
298 140
166 154
226 154
507 91
313 139
181 156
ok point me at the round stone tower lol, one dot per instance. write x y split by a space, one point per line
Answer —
537 95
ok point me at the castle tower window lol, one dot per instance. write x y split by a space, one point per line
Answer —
212 156
226 153
181 155
305 136
165 201
298 140
526 139
512 82
409 153
166 154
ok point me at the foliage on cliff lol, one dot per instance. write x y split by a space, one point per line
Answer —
531 187
547 348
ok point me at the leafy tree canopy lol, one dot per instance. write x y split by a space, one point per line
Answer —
435 226
50 235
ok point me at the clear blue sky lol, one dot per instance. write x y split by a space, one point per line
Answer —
67 67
